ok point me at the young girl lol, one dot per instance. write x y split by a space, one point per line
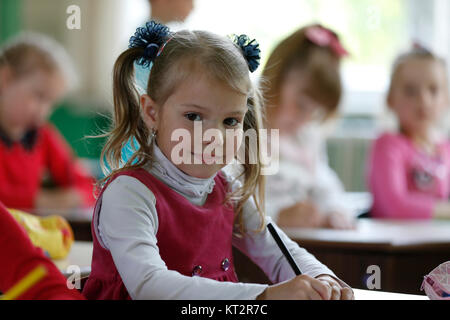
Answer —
409 171
33 76
303 89
164 229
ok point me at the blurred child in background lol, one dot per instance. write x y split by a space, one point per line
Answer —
409 171
35 73
303 83
167 11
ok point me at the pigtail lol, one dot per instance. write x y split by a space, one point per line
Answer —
127 121
144 47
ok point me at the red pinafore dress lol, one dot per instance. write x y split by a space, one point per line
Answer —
193 240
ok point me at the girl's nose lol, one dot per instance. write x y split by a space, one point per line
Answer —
214 136
427 98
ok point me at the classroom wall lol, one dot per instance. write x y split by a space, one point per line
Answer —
92 48
104 34
348 157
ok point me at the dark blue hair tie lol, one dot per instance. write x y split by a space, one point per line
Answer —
151 51
250 50
151 38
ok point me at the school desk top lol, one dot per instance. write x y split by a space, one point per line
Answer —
387 235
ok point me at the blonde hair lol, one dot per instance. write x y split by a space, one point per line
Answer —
319 64
29 52
186 52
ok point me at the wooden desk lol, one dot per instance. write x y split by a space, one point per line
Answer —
404 251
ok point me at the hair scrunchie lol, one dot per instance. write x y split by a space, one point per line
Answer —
250 50
151 38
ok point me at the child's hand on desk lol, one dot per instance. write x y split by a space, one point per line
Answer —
338 292
301 215
65 199
339 220
304 287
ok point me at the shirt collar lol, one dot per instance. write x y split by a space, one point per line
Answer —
28 140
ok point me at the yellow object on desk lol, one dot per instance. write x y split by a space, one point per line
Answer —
53 234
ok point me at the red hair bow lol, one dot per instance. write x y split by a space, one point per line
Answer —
324 37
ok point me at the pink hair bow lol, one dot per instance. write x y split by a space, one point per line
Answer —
324 37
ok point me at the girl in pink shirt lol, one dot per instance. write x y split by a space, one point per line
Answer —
409 171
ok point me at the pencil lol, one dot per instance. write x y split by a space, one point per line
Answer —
284 249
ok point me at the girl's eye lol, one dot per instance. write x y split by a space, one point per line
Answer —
193 117
434 90
232 122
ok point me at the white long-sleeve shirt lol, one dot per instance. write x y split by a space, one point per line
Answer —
128 224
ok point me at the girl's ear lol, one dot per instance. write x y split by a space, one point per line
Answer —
149 111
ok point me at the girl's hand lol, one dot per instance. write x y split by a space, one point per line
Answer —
301 215
339 220
62 199
337 291
302 287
